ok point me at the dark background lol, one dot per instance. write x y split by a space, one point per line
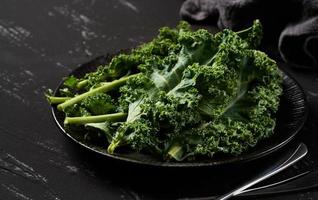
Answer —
42 41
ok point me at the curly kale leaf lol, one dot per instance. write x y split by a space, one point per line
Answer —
226 136
140 135
253 72
239 106
215 95
99 104
165 76
252 35
76 110
196 47
71 82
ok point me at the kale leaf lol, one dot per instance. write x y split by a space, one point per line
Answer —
184 95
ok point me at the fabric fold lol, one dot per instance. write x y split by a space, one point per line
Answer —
292 24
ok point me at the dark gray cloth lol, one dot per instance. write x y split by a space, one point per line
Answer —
292 24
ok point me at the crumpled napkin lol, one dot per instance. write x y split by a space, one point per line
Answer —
292 24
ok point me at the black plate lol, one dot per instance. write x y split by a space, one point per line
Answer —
291 117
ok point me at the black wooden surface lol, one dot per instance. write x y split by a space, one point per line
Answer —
41 41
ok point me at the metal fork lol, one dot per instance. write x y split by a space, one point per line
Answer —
288 160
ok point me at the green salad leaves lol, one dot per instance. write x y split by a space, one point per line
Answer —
184 95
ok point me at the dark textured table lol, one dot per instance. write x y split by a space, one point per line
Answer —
41 42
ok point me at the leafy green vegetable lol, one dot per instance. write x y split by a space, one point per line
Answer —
71 82
139 135
105 87
54 100
99 103
184 95
95 119
104 127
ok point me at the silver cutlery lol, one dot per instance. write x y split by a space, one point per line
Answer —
288 160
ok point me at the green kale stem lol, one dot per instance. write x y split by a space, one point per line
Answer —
95 119
112 146
56 100
105 87
176 152
117 141
244 31
82 84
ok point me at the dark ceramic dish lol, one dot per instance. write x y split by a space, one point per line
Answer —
291 117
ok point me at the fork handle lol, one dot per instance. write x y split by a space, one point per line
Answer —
299 153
